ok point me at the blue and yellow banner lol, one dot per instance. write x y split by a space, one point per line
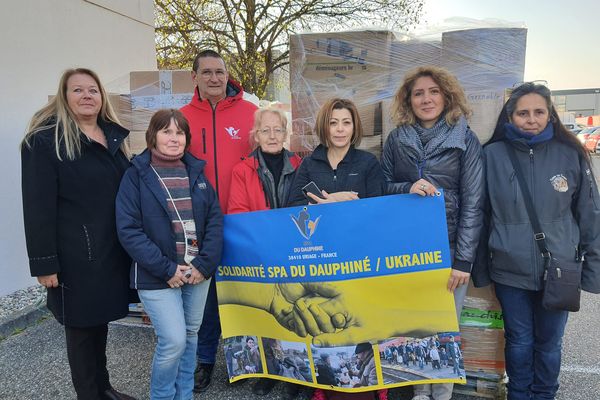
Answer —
348 296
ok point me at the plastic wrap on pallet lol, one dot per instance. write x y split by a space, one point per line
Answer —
368 67
145 92
482 331
483 385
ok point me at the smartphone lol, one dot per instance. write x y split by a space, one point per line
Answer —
312 187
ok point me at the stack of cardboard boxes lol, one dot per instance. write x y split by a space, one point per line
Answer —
369 66
482 333
352 65
150 91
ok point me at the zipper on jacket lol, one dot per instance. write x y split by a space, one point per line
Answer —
535 248
420 166
135 275
214 115
514 185
204 140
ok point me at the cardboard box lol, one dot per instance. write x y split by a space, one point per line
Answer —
483 349
303 145
306 105
482 298
153 90
354 59
137 141
352 65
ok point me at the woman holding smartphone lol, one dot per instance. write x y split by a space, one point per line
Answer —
336 170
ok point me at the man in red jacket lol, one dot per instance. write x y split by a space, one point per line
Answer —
220 121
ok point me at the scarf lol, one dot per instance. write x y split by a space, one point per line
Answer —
422 143
514 133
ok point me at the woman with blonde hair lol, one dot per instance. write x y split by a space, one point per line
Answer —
73 157
262 182
433 148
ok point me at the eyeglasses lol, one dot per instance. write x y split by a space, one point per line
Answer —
267 131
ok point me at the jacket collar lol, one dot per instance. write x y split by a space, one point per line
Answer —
256 161
193 165
233 92
320 154
141 162
115 135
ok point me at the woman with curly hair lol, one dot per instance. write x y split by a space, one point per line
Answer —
433 148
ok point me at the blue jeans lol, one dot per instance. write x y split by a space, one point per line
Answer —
533 343
210 331
176 315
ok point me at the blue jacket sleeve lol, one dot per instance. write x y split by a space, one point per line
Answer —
211 247
130 230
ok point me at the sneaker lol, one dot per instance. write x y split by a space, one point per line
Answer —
319 394
263 386
202 377
382 394
421 397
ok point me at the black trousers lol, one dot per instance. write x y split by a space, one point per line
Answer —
86 351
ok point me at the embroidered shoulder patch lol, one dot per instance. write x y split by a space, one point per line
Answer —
559 183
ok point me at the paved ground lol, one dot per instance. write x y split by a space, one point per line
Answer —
33 364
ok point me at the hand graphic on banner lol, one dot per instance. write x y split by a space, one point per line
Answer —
336 318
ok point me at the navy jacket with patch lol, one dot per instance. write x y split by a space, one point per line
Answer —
565 196
144 223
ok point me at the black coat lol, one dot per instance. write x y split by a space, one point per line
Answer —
459 173
359 171
69 214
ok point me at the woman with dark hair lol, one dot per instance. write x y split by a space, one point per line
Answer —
170 223
338 169
556 170
433 148
73 157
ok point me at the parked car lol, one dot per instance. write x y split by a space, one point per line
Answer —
591 143
583 135
575 128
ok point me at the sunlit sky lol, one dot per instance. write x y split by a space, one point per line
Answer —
563 37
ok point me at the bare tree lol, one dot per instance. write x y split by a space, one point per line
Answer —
252 35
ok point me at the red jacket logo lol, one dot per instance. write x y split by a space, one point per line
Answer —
232 132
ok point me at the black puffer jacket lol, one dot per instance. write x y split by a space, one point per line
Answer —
566 200
459 173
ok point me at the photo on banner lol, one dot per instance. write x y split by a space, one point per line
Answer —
322 290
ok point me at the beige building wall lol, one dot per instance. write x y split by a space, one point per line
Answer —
38 40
